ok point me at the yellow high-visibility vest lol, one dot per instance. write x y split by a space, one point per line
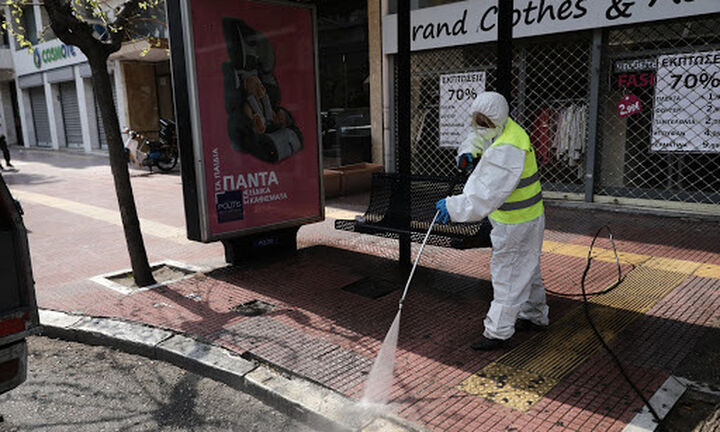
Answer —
525 203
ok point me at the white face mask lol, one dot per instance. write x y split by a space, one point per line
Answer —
486 133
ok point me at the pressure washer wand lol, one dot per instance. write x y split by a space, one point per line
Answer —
417 259
458 175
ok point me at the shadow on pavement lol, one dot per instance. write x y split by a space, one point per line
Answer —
20 178
59 159
328 327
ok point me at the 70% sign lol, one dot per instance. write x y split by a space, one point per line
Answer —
461 94
691 80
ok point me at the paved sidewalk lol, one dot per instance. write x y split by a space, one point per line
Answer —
333 302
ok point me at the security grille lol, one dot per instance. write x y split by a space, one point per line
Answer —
550 100
659 121
658 109
553 105
41 121
71 114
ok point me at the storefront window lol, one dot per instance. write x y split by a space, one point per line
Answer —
344 81
28 20
4 38
550 100
659 119
46 32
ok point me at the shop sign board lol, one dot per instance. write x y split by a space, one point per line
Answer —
633 73
457 92
45 56
245 76
633 79
470 22
687 103
635 65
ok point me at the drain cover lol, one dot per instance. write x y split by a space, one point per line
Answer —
253 308
370 288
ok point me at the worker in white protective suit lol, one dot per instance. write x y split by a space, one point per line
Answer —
505 186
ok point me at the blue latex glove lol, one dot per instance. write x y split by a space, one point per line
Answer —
466 162
443 217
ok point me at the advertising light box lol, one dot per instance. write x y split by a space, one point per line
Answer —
245 77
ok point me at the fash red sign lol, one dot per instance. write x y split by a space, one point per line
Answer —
251 80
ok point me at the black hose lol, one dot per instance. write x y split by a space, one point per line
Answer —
586 308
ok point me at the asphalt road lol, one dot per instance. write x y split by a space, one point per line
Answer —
75 387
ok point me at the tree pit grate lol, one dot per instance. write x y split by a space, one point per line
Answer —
371 288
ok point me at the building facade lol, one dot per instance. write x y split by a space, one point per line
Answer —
47 93
620 99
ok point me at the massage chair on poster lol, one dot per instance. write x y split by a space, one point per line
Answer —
257 125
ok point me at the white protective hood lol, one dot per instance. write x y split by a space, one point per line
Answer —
493 106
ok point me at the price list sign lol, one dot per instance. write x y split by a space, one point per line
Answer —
457 92
687 103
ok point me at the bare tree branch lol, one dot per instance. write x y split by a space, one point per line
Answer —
126 11
67 27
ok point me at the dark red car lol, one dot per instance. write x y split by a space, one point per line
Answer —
18 308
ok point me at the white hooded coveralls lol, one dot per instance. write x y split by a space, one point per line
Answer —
515 265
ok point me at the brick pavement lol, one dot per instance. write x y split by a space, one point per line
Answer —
330 335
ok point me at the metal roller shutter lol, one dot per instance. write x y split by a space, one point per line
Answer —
41 120
101 128
71 114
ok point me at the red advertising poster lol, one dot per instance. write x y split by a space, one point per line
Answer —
257 115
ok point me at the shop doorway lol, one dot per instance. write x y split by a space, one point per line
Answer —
41 120
71 114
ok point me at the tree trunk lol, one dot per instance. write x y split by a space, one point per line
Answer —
121 176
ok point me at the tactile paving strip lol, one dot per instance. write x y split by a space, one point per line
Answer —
524 375
508 386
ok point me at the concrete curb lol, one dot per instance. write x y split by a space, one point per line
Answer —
317 406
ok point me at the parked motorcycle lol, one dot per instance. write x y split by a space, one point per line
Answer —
142 152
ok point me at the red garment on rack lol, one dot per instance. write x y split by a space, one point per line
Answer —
543 133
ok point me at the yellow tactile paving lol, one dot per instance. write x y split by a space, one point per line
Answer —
708 271
567 249
676 265
508 386
148 226
607 255
599 254
552 355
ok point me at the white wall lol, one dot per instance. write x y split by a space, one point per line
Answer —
54 113
26 120
24 65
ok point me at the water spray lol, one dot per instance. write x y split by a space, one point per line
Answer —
380 380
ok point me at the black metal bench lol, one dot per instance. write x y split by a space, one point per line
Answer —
384 215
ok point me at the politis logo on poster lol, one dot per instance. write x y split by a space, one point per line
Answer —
233 193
